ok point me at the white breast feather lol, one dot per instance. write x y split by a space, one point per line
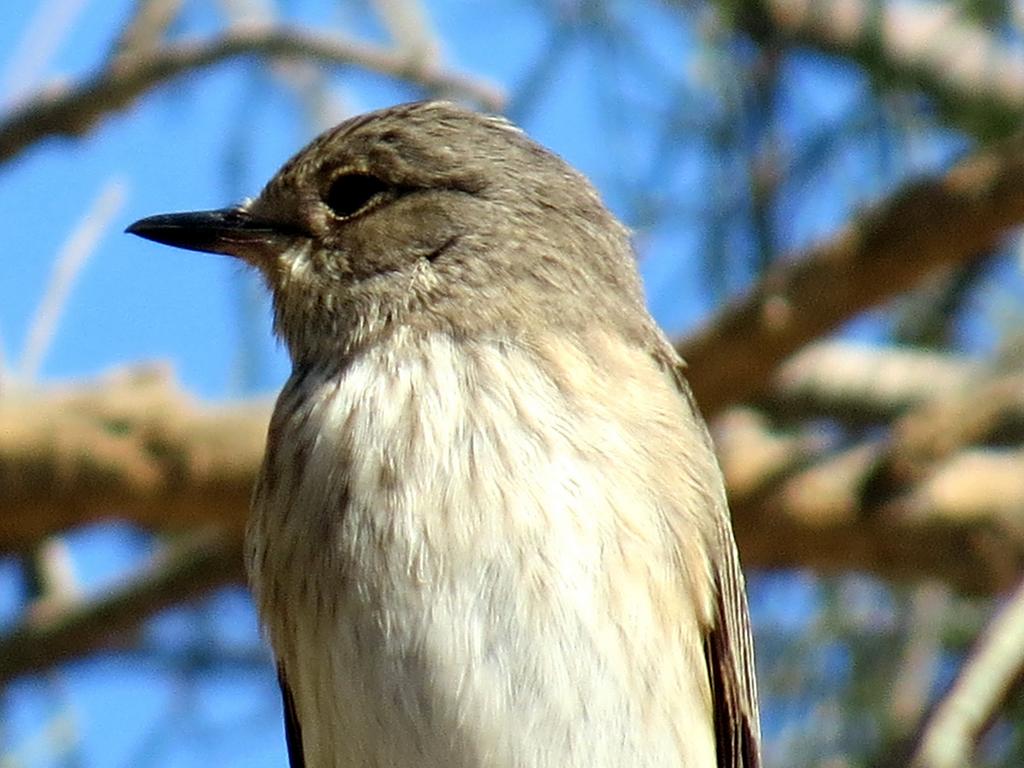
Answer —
476 571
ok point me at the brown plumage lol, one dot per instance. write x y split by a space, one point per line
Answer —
489 529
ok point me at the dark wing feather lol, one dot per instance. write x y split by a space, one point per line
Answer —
729 654
292 729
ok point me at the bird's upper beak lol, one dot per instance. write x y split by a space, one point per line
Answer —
233 231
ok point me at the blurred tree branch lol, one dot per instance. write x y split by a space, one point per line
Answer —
130 446
991 671
134 448
74 110
55 631
976 81
801 509
146 28
921 229
932 433
861 384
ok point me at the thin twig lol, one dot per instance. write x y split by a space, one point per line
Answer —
75 251
929 608
411 29
46 31
76 109
146 27
186 569
986 678
53 583
976 80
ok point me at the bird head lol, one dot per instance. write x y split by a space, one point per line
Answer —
423 216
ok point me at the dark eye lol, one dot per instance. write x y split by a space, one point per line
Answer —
352 192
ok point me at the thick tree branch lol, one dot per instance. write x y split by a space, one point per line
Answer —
991 409
925 227
962 524
976 82
796 506
919 501
131 447
135 449
73 110
792 508
864 384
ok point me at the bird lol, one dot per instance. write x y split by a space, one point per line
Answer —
489 528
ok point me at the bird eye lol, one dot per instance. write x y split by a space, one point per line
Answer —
352 192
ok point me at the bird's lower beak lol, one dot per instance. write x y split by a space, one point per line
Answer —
228 230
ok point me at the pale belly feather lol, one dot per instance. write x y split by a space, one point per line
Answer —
463 569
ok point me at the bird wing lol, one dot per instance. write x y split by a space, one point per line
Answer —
729 655
292 729
729 645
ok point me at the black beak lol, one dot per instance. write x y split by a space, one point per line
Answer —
229 230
